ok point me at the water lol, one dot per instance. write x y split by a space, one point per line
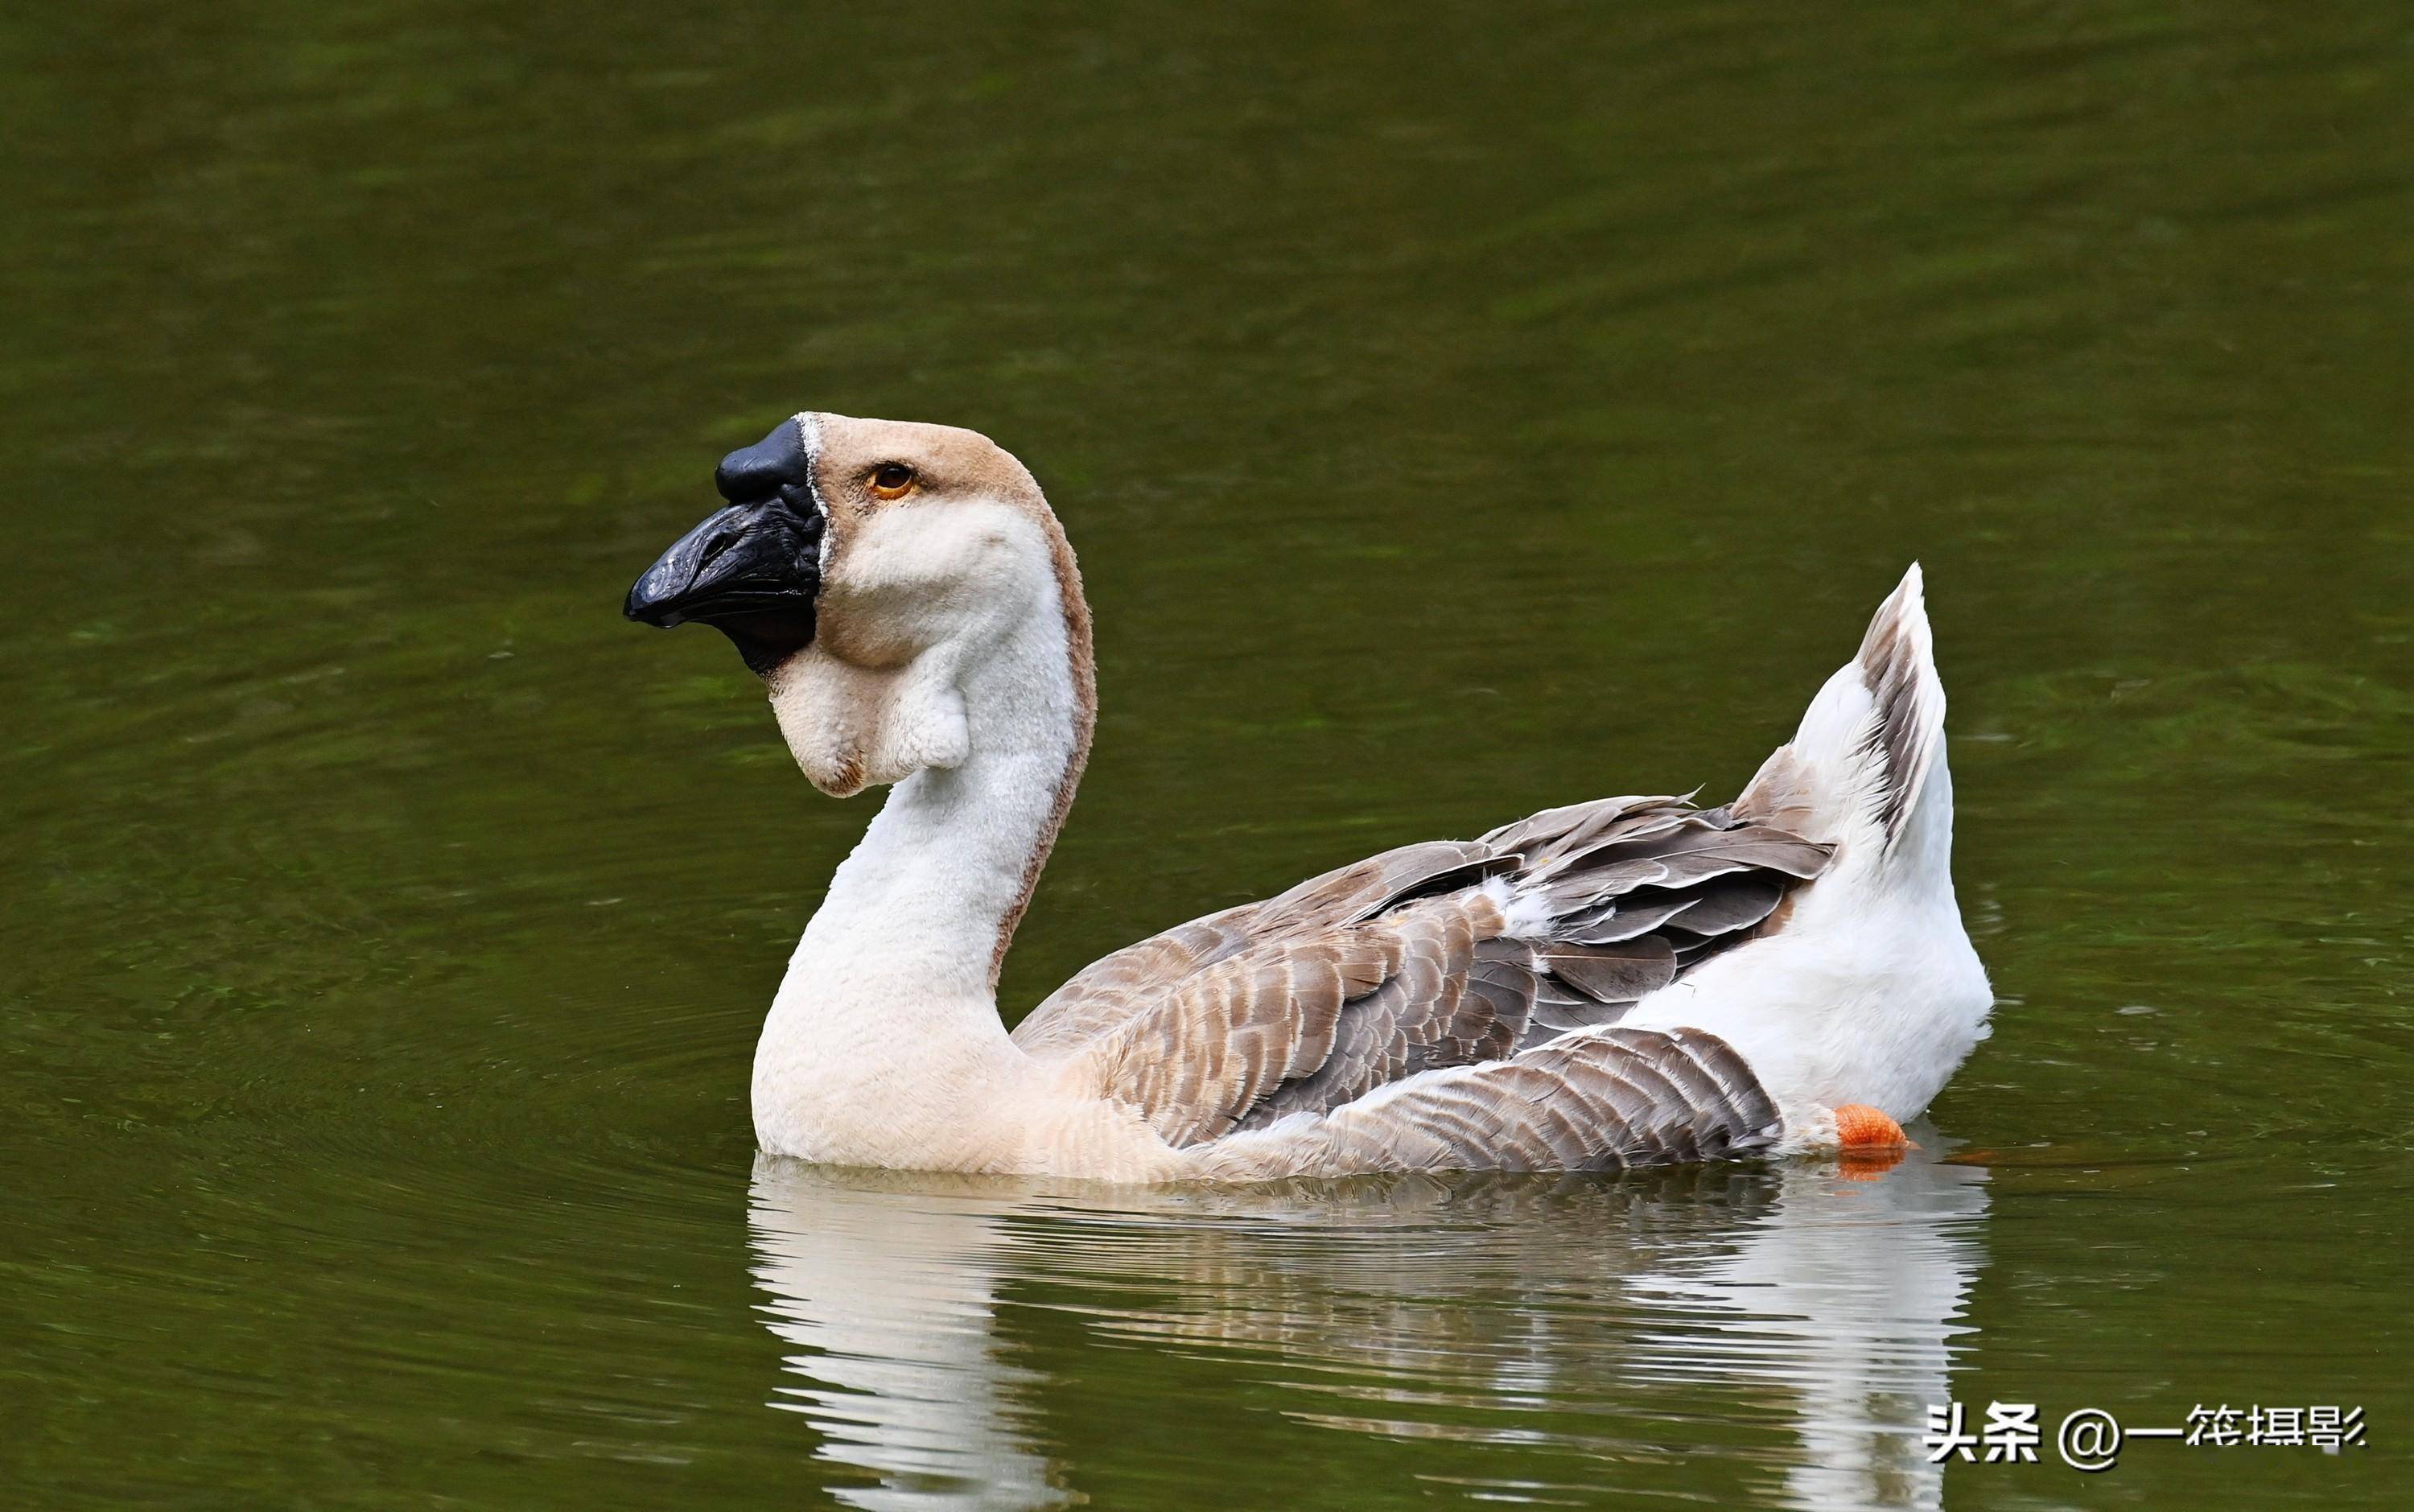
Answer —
1454 417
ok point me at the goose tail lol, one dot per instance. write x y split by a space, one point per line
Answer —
1866 772
1856 1009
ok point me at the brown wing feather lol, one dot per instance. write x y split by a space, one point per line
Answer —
1113 988
1398 965
1429 1012
1308 1020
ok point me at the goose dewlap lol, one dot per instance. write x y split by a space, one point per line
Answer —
1625 981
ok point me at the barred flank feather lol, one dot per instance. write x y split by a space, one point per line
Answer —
1617 1099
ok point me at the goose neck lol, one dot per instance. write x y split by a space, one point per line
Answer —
916 921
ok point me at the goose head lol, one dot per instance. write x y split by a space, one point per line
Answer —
860 567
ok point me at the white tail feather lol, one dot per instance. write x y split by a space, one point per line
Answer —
1854 773
1870 991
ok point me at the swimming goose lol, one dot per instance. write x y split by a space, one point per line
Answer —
1626 982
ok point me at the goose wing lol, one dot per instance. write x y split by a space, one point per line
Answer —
1451 954
1111 990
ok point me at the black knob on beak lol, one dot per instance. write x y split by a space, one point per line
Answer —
777 461
753 570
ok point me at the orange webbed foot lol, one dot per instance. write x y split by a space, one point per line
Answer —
1869 1143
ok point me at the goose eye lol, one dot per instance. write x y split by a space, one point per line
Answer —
892 480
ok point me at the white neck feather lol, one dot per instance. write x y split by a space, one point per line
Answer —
886 1031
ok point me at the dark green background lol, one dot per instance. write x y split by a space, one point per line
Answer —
1457 412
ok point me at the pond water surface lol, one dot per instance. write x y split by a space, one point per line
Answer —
1455 415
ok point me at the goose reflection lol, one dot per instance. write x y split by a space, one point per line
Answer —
1793 1323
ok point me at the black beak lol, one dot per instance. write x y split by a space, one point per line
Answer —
753 570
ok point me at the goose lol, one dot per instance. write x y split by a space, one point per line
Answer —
1629 981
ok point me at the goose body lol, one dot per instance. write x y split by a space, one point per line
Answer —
1629 981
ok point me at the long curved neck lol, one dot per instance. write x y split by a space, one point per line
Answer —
930 897
1069 660
901 962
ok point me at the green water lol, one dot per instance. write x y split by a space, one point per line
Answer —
1455 414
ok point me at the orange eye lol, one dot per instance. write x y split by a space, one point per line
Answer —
892 480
